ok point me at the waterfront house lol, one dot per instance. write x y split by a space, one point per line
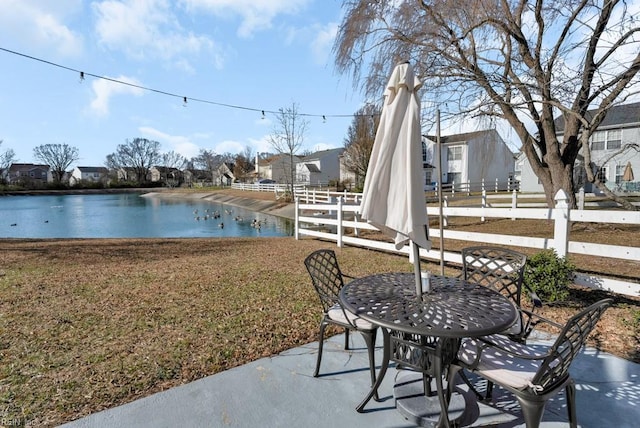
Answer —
89 174
612 148
319 168
468 160
28 174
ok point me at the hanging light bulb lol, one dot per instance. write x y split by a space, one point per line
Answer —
262 114
184 101
81 76
324 119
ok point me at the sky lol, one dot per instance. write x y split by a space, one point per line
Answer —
252 54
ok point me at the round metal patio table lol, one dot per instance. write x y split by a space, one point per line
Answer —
452 310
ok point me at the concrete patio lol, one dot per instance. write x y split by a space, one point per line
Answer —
280 392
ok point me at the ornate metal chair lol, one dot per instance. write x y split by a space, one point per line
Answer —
328 280
532 374
502 269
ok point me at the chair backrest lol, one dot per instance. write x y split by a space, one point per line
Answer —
498 268
326 276
555 367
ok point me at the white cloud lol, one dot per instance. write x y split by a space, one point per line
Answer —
256 15
229 146
40 25
261 145
323 42
104 90
149 29
177 143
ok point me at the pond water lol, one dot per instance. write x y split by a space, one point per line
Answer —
129 215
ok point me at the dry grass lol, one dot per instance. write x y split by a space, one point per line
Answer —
90 324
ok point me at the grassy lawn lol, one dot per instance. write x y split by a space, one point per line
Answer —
90 324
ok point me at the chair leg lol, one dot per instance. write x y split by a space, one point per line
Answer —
532 411
346 338
571 403
320 344
472 388
489 390
370 340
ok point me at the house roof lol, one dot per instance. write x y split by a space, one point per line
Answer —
90 169
27 167
466 136
312 167
321 153
623 114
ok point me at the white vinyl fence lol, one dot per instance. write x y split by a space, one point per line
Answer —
326 216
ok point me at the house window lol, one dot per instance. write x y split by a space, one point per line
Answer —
454 153
614 139
619 173
454 177
602 174
427 177
609 140
597 140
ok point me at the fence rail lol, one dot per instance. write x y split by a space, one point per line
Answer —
327 218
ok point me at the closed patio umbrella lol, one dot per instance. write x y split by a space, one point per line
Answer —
393 197
628 173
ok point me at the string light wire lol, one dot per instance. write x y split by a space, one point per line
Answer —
84 74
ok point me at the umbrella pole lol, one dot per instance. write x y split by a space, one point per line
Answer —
416 268
439 151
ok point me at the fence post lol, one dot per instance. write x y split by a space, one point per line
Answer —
445 204
496 191
297 219
514 203
484 200
339 231
561 224
483 185
581 199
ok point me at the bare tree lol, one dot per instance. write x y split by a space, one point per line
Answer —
287 138
139 155
243 164
173 160
173 163
58 156
209 161
359 141
6 159
521 61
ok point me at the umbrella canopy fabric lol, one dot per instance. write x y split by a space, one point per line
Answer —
628 173
393 198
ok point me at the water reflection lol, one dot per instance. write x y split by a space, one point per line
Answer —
129 215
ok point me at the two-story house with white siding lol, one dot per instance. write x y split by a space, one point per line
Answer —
319 168
619 129
89 174
276 167
468 160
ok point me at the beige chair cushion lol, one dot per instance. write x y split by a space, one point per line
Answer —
500 367
337 314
